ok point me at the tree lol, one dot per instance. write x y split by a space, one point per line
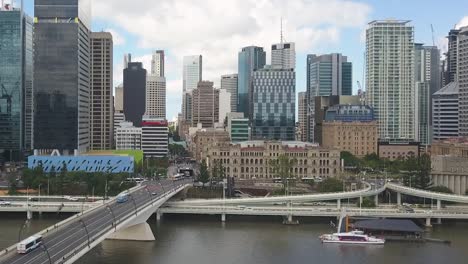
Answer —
367 203
217 172
417 172
204 176
349 159
330 185
12 183
282 167
62 176
440 189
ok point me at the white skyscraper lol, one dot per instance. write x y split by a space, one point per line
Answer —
157 63
229 82
283 55
155 96
191 74
224 104
390 78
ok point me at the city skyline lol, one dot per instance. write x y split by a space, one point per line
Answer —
316 27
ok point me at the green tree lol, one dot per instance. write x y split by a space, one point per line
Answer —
62 177
367 203
330 185
204 176
12 183
282 167
217 172
349 159
417 172
440 189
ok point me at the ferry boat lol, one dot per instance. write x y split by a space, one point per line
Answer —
353 237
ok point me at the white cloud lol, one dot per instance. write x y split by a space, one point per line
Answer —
463 23
219 29
117 38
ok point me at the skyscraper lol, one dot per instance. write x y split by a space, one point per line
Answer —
445 112
302 115
250 59
157 63
224 104
62 77
16 70
134 93
462 75
154 137
156 96
328 74
127 59
118 98
205 105
390 78
274 104
229 83
283 55
452 56
102 105
191 74
427 82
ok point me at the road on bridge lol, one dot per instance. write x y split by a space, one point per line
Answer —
83 230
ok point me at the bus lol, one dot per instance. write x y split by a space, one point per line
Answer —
136 180
29 244
122 197
178 176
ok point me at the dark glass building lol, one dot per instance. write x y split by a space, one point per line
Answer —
134 93
62 75
274 104
16 71
250 59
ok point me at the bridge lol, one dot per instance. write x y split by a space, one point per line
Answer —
70 239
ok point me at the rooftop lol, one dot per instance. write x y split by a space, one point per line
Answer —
449 89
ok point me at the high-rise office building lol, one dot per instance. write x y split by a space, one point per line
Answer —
229 83
191 75
224 105
302 115
283 55
128 137
462 76
62 77
154 137
118 98
274 104
205 105
451 57
390 78
250 59
445 112
156 96
134 93
328 74
157 63
102 105
16 80
127 59
427 82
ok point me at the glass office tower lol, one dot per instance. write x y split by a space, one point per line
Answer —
15 82
62 75
250 59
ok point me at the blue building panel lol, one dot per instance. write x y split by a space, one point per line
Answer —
107 164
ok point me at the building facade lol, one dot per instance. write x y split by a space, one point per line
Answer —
229 83
102 105
62 77
156 96
250 59
302 116
205 105
390 78
84 163
157 63
224 105
427 82
134 100
201 140
238 127
283 55
328 74
16 82
128 137
274 104
253 159
192 75
393 151
154 137
462 77
118 98
445 112
350 128
451 57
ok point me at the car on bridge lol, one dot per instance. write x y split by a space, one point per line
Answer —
122 198
5 203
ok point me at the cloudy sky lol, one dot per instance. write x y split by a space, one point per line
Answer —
219 29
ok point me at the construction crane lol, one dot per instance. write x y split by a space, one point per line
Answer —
433 39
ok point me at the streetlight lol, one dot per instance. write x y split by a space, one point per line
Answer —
40 192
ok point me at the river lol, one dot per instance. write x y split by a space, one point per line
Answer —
205 240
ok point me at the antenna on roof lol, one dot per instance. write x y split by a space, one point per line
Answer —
281 31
